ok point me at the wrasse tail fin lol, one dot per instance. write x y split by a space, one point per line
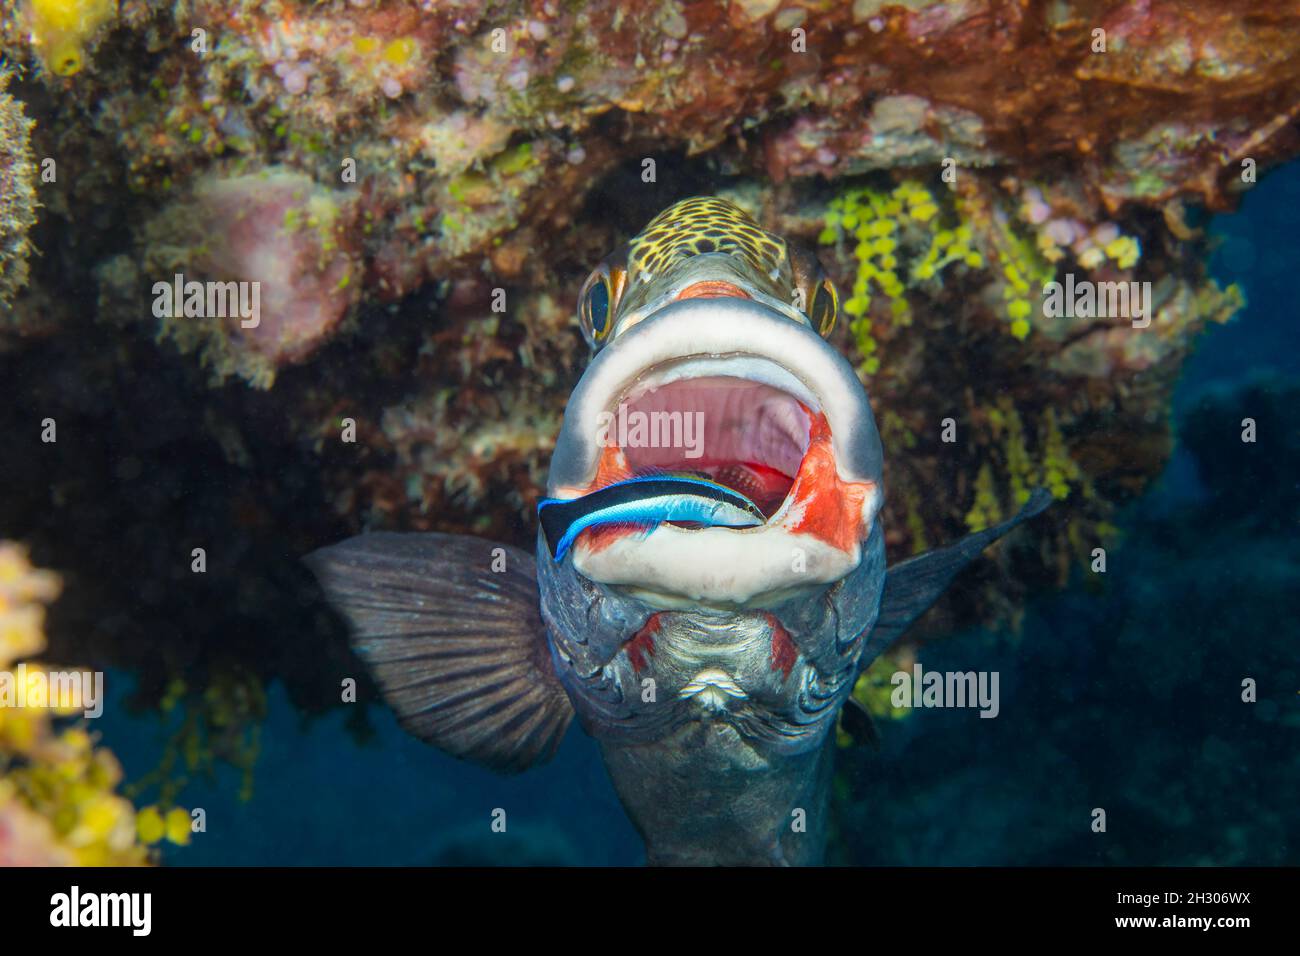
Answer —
913 585
459 649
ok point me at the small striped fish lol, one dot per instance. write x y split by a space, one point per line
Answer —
647 501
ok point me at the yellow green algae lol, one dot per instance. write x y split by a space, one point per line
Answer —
874 687
875 221
487 203
17 193
217 723
1020 470
59 803
153 825
905 238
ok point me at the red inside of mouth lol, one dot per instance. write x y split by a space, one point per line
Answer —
746 435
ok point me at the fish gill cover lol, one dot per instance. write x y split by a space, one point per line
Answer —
397 203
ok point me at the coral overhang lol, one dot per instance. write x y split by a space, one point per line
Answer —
432 186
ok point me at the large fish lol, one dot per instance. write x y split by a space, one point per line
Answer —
709 662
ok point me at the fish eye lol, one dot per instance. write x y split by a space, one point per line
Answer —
820 302
824 307
598 308
596 302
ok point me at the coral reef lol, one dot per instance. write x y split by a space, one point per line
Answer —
17 195
946 298
58 804
487 149
420 189
281 251
62 32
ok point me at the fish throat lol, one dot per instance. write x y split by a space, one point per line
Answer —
745 435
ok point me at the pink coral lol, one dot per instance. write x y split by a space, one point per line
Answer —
285 232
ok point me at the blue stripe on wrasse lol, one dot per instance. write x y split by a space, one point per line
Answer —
646 501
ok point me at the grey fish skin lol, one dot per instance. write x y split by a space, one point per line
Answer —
728 780
593 631
726 785
700 797
709 664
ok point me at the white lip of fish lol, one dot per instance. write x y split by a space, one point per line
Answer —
712 688
717 336
675 567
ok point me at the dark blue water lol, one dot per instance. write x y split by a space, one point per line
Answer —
1258 248
1122 695
321 798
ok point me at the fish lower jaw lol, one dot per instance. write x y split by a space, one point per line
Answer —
676 568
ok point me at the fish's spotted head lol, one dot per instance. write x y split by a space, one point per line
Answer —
712 362
703 248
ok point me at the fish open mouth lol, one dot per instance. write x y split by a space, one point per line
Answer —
730 390
746 435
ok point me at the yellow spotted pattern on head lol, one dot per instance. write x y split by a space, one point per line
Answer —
698 226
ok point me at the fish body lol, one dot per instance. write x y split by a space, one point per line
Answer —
710 661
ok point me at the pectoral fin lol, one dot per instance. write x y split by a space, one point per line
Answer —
449 626
913 585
